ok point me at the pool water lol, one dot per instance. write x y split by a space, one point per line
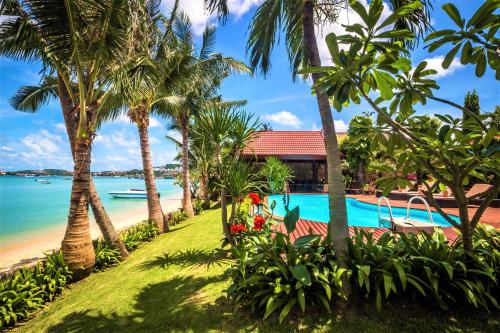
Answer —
315 207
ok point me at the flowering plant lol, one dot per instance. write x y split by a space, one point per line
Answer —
258 222
411 177
238 228
256 200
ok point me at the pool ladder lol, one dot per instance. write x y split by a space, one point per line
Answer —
404 221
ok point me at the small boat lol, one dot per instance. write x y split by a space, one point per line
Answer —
44 181
131 193
29 175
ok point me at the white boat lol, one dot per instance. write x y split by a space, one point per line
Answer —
44 181
131 193
29 175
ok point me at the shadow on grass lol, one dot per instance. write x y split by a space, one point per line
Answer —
189 258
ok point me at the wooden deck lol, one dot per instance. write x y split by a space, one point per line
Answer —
305 227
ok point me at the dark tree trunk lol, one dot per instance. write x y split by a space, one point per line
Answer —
102 219
223 198
204 191
77 245
154 207
338 230
187 205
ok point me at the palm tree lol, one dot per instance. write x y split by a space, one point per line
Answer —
31 99
297 18
205 71
221 123
88 58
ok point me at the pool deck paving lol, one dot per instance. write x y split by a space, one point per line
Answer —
304 227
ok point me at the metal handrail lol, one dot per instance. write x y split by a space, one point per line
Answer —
388 206
426 206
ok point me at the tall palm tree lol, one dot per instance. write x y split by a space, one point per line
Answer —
86 38
297 19
205 71
20 39
219 123
31 99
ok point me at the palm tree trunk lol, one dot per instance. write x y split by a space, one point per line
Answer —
223 198
154 206
77 245
204 190
187 205
102 219
338 230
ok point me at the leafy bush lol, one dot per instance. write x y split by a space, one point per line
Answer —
138 234
198 207
179 216
273 274
276 174
28 289
426 266
105 255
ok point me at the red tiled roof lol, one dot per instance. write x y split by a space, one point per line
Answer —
308 145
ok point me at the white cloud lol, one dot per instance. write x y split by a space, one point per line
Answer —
6 148
45 149
122 119
346 17
340 125
284 118
175 134
435 63
153 122
60 127
154 140
200 18
314 127
280 99
115 158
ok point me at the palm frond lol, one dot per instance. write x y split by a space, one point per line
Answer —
208 42
218 6
32 98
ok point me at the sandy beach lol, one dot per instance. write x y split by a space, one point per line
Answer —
17 252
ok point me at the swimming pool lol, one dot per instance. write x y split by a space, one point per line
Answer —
315 207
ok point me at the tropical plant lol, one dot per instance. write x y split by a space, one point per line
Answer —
448 153
273 274
224 125
105 255
28 289
357 146
134 236
297 19
21 39
277 174
426 266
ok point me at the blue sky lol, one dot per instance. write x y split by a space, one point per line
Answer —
35 141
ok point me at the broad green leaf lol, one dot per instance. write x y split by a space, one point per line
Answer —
401 273
439 33
302 299
360 10
301 273
291 218
286 309
450 56
466 53
453 13
481 65
333 46
383 85
306 240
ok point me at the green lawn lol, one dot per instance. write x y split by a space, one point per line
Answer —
176 282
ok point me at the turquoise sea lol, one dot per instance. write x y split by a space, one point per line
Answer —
28 206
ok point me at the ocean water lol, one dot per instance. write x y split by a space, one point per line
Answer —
315 207
28 206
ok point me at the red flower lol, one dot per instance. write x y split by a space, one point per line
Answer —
256 200
237 228
258 222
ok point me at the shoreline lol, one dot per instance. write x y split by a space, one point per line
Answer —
27 249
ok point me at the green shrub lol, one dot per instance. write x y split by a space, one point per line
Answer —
28 289
179 216
105 255
426 266
275 275
198 206
138 234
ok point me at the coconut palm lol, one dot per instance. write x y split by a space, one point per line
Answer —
205 71
297 19
86 39
31 99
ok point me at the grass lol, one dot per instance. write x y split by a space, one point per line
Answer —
175 284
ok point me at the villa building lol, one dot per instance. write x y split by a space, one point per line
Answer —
303 151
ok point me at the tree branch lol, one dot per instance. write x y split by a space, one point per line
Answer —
486 202
469 112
